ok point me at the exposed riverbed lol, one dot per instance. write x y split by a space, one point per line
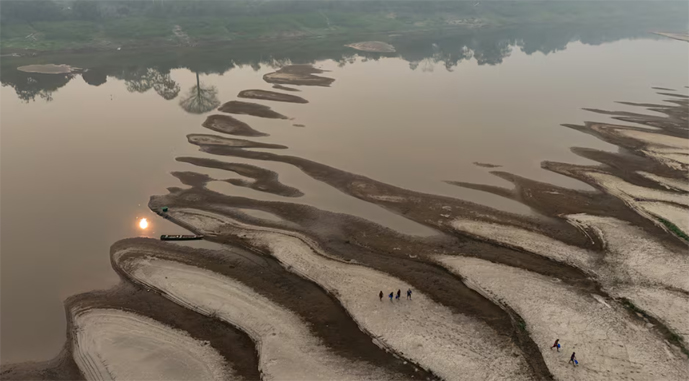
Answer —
389 180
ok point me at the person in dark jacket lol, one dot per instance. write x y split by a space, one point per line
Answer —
556 345
380 296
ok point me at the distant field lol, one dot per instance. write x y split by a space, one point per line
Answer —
133 31
47 27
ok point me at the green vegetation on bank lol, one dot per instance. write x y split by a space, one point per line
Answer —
671 336
674 228
50 25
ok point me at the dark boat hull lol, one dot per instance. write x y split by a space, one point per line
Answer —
180 237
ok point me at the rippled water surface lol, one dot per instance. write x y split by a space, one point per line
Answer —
79 161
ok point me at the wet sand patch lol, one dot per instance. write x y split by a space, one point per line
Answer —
285 88
219 141
193 179
551 200
229 125
62 367
302 75
486 165
248 108
267 95
427 209
265 180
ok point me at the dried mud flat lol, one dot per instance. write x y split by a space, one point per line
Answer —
295 296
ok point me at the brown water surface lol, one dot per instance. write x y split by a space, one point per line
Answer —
77 171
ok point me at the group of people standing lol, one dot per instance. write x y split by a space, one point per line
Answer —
399 293
572 358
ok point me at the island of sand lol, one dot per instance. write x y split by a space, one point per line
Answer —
372 46
249 108
297 75
267 95
50 69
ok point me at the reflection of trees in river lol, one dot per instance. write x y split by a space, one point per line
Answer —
200 98
95 77
28 86
141 80
423 52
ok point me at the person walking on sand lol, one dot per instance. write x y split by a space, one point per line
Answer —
409 294
399 292
556 345
380 296
391 294
573 359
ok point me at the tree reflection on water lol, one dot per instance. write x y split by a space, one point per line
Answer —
447 49
200 98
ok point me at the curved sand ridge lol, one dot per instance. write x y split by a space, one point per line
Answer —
678 216
667 182
635 264
452 346
609 344
528 240
671 159
287 349
669 150
112 344
636 257
649 203
655 139
629 192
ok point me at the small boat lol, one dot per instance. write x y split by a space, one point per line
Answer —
180 237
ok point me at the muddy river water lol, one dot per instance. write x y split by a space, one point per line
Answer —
79 162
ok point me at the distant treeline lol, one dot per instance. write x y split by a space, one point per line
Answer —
142 71
12 11
29 26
